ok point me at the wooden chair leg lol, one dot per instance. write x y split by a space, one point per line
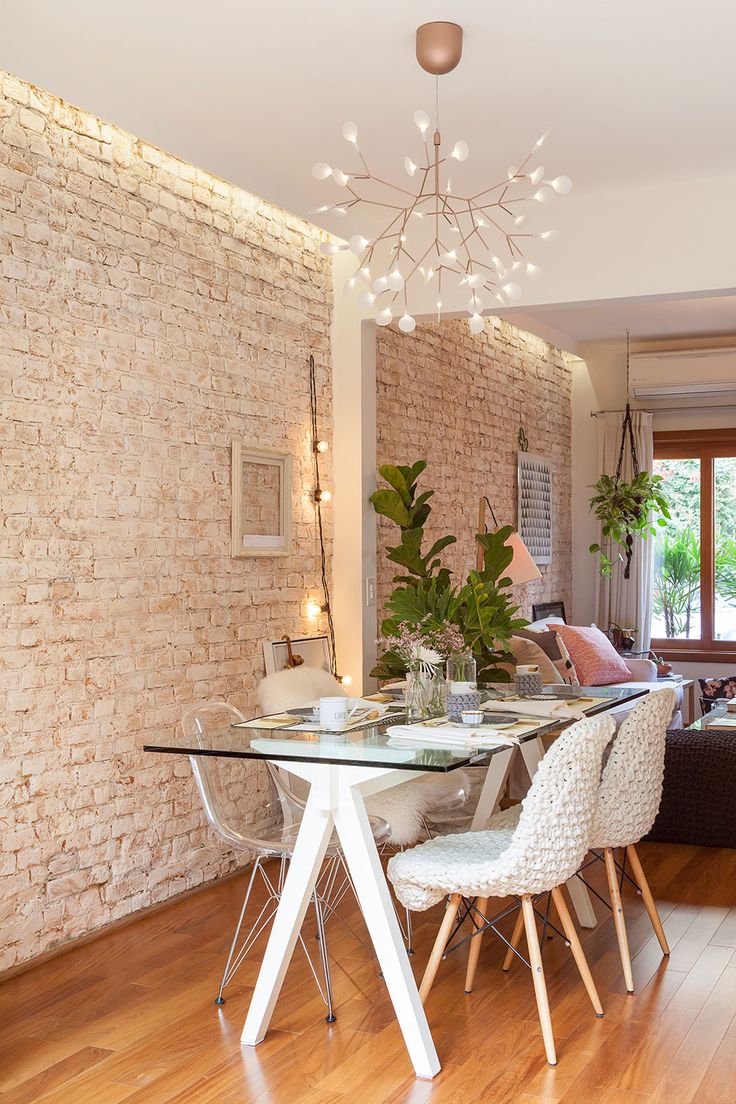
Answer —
474 947
439 946
646 895
618 918
540 986
515 940
577 950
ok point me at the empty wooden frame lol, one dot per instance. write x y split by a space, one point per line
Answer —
261 502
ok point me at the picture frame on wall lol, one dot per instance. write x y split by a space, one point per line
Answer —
261 501
535 505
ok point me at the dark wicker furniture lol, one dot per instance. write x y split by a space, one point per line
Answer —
699 795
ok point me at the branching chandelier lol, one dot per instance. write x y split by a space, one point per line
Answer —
434 235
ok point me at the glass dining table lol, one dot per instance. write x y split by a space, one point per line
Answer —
341 770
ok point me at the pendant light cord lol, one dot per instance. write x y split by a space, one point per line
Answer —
320 530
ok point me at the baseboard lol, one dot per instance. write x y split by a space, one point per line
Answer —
114 925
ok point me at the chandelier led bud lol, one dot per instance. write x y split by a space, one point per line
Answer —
432 233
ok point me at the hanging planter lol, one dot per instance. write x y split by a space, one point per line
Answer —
627 510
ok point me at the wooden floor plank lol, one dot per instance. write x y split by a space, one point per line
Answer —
691 1060
130 1018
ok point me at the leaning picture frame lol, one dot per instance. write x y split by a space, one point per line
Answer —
309 651
261 502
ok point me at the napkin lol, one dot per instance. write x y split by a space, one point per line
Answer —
554 708
452 735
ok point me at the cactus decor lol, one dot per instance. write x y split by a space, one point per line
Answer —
425 598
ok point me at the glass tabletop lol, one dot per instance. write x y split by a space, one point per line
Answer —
370 744
718 717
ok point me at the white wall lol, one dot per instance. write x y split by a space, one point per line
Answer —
354 467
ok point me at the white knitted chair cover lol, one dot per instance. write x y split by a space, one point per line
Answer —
546 847
403 807
631 787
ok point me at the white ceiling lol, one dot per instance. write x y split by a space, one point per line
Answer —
256 91
572 324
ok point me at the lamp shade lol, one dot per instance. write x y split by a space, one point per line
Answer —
522 568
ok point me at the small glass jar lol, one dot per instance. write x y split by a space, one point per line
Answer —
462 673
438 698
416 695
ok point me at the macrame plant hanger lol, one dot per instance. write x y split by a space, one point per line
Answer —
627 434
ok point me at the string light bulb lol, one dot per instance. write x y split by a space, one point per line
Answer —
346 680
321 495
315 608
321 446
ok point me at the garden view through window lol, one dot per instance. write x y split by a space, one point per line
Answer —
694 585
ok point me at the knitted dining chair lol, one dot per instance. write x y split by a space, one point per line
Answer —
533 859
629 799
630 794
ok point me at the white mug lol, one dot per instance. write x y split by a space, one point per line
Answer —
334 713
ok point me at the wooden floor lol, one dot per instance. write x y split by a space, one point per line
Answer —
130 1017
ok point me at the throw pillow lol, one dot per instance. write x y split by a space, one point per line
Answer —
526 651
553 646
712 689
596 660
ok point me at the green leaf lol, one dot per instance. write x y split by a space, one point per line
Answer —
389 504
398 480
439 545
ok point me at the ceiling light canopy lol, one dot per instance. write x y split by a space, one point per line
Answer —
431 232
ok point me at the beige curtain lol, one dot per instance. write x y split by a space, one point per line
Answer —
627 602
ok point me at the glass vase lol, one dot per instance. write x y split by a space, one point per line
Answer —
416 696
461 673
438 697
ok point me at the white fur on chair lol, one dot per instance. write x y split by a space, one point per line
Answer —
404 807
297 686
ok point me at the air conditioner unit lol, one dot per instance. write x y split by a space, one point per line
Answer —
685 374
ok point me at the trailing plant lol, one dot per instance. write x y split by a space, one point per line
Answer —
481 609
627 510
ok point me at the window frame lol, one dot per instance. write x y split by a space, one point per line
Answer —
705 446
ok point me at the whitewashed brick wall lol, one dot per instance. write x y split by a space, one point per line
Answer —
149 314
457 400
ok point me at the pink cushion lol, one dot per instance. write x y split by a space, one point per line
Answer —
596 660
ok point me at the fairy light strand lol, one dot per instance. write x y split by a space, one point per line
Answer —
327 605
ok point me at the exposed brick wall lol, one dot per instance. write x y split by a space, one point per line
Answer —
457 400
149 314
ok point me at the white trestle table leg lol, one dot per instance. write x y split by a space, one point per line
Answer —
335 801
532 752
356 837
306 863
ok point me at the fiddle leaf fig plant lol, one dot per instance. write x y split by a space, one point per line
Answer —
481 609
627 510
399 503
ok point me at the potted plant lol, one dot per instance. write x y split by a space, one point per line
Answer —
627 510
481 610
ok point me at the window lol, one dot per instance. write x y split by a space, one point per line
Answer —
694 591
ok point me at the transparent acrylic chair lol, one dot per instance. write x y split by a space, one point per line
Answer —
268 833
